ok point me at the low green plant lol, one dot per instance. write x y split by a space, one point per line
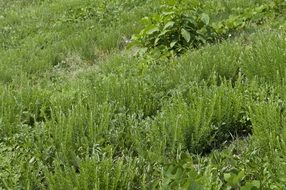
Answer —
79 112
180 25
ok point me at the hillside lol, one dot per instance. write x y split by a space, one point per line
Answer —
142 94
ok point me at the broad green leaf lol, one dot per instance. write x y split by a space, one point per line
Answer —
241 175
237 178
227 177
186 35
163 33
156 41
256 183
169 24
251 185
172 44
205 18
152 30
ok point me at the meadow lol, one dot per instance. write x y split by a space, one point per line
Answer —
143 94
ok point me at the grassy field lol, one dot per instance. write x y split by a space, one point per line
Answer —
80 109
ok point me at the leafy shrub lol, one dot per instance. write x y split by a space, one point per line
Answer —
180 25
176 26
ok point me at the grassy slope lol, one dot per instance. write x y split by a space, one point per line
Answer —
77 111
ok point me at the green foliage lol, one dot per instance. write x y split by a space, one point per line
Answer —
184 24
79 111
205 120
177 25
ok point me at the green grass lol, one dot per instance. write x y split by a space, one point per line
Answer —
78 111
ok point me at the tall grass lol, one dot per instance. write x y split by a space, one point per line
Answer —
77 111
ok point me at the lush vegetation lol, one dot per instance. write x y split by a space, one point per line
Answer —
142 94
